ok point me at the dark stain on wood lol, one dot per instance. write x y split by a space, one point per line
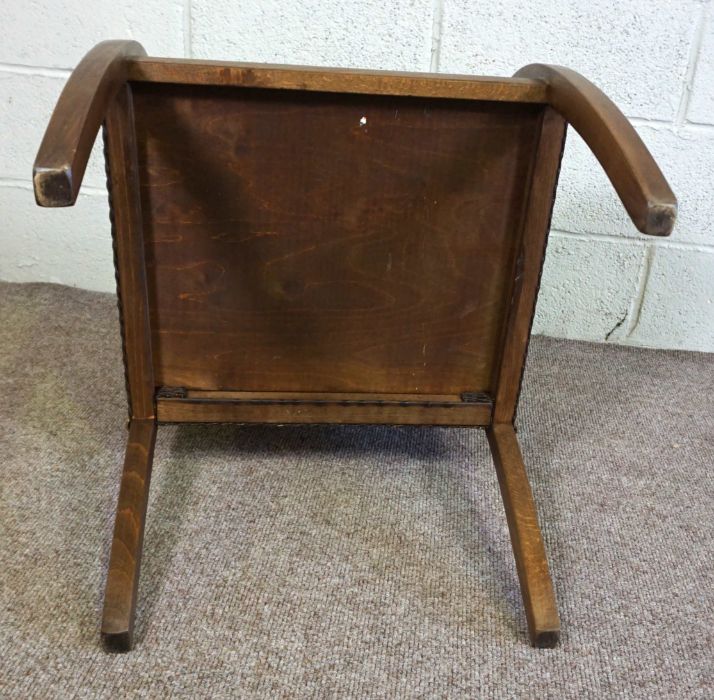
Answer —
303 241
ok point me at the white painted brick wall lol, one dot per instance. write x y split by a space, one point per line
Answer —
602 280
379 34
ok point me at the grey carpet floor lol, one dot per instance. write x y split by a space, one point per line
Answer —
354 562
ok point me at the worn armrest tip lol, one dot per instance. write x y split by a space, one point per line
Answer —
53 186
660 219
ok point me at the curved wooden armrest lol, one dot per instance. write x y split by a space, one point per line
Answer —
62 159
633 172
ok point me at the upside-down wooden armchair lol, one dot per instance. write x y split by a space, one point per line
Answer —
303 245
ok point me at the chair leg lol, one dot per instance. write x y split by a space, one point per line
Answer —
125 559
526 539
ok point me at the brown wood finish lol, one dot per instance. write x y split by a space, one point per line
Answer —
63 154
631 168
125 559
336 80
324 245
528 548
528 266
296 407
123 185
329 275
312 396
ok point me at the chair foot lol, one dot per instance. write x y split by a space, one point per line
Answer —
545 639
526 539
118 643
125 558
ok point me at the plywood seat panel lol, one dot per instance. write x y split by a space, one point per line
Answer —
322 242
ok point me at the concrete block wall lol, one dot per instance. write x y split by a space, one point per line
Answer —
602 280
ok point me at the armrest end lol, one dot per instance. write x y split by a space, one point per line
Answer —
53 187
63 154
660 219
635 175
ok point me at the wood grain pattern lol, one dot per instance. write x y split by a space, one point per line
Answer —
528 266
528 548
125 207
125 559
62 158
322 396
377 260
336 80
308 245
305 407
631 168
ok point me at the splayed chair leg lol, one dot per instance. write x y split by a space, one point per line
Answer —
125 559
528 548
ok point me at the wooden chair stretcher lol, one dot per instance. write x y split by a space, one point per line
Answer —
304 245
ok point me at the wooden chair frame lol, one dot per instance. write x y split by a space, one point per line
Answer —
101 90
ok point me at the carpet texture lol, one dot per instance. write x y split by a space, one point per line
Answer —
354 562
